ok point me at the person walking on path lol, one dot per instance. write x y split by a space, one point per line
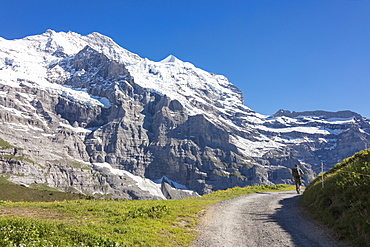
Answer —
297 175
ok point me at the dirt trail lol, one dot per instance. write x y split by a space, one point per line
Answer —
270 219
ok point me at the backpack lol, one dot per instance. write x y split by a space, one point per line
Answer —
295 172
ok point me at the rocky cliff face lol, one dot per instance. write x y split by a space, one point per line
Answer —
82 114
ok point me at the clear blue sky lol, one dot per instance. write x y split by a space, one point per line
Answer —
296 55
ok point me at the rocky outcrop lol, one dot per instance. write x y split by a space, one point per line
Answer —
170 190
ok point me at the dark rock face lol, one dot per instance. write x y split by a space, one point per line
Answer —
75 145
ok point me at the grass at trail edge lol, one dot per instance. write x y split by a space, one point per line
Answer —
344 202
110 222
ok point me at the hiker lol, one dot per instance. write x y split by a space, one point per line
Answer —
297 174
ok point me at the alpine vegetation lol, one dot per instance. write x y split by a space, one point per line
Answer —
342 202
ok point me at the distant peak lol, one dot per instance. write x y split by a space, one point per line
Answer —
171 59
100 37
50 31
96 34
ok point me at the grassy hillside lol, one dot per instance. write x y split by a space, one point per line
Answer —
15 193
109 222
344 202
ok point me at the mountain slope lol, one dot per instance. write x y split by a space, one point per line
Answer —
99 119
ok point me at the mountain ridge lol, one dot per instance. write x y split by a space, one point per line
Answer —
328 114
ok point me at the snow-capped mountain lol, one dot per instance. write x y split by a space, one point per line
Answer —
82 113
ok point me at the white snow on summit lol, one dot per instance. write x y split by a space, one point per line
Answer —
28 60
171 59
186 83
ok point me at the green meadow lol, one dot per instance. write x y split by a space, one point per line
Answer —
84 222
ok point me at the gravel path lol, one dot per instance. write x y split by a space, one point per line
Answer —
270 219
